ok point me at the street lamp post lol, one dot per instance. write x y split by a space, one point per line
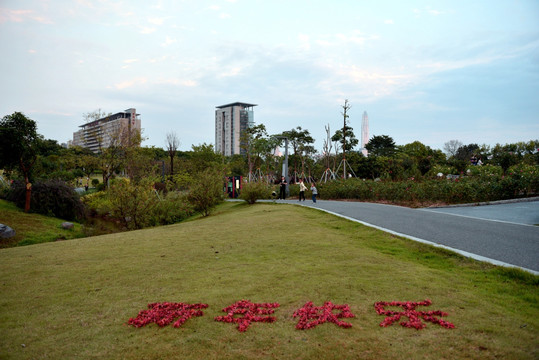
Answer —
285 163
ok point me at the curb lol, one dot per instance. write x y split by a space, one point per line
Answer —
497 202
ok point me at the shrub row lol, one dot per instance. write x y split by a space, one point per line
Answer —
520 182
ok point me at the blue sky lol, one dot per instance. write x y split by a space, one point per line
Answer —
431 71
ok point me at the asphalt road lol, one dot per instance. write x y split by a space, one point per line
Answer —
501 234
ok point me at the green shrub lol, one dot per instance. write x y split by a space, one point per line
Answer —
486 184
206 191
133 203
172 208
49 197
253 191
95 182
97 203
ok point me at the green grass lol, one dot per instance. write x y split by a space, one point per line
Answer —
72 299
33 228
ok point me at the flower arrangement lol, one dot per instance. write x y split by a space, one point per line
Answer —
311 316
164 313
250 312
244 312
414 316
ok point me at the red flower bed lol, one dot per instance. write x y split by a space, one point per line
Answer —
311 316
250 312
164 313
414 316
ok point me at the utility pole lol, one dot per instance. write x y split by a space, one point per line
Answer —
345 107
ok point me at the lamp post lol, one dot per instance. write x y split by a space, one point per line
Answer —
285 163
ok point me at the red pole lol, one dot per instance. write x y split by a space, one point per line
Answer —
28 193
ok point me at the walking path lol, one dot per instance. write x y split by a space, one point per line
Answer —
502 234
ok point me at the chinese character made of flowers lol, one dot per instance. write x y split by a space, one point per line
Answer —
409 311
164 313
249 312
311 316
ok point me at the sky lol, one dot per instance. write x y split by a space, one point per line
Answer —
428 71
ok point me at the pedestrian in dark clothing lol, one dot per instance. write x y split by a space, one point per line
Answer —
314 192
282 188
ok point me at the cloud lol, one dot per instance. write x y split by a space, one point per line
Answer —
130 83
337 40
128 62
146 30
156 21
388 22
8 15
304 41
168 41
184 82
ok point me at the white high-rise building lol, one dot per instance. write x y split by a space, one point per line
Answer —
102 133
364 133
230 121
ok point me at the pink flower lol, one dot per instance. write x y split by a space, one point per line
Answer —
414 316
251 312
164 313
311 316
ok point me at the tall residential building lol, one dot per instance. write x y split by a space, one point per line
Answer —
113 129
230 121
364 133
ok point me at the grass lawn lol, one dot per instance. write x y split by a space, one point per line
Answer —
33 228
73 299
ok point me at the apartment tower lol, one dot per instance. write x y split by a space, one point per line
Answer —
230 122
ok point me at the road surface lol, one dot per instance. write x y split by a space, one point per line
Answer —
502 234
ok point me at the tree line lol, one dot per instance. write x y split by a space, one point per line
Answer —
135 176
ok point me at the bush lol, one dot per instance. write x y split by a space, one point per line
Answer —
51 198
97 203
485 184
173 207
132 204
95 182
206 191
253 191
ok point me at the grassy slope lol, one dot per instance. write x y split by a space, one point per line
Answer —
72 299
33 228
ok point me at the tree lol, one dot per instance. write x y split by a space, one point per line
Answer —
423 156
252 142
465 152
19 147
172 146
300 140
381 145
327 147
451 147
348 141
202 157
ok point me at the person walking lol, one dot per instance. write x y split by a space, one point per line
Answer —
314 192
302 189
282 188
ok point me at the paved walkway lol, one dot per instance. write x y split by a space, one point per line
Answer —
501 234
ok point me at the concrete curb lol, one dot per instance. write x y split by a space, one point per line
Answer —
508 201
